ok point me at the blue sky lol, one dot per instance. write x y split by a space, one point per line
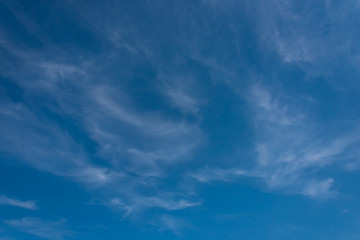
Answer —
201 119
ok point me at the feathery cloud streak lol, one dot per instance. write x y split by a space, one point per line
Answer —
4 200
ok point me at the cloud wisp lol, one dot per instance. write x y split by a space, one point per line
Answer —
55 230
31 205
131 109
174 224
45 146
133 144
289 145
290 150
167 203
208 175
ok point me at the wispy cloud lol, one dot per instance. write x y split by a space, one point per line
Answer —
319 189
128 138
181 89
4 200
290 147
277 21
216 174
272 110
155 138
290 150
45 146
174 224
56 230
168 203
294 50
182 100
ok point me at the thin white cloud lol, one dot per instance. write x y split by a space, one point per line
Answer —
293 50
290 147
127 138
4 200
57 72
54 230
167 204
271 109
319 189
45 146
166 140
172 223
148 124
103 98
182 100
29 23
216 174
281 29
140 202
290 31
101 111
182 91
117 204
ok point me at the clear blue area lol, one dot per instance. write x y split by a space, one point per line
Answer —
201 119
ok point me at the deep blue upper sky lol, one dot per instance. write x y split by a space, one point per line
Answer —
162 119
